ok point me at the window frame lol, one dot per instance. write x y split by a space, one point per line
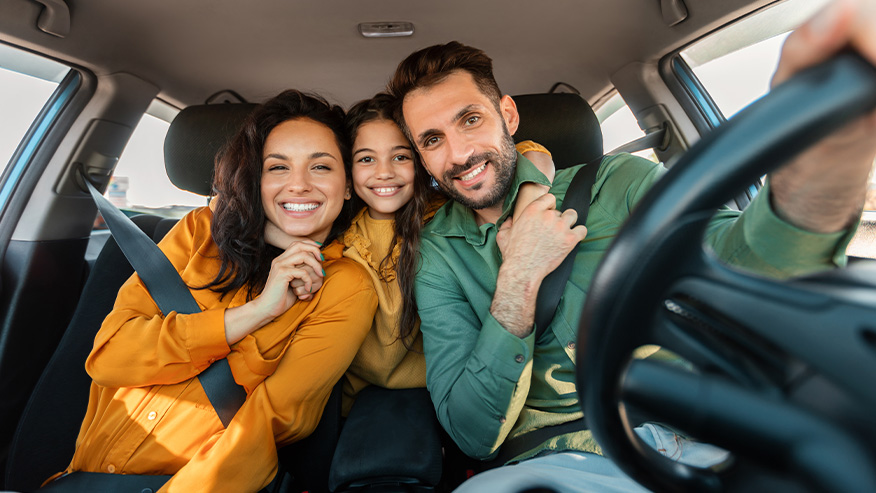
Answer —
40 143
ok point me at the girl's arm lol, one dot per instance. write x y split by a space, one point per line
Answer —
542 160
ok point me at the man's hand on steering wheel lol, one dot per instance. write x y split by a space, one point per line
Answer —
823 189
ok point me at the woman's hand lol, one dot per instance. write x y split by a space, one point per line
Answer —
276 237
294 275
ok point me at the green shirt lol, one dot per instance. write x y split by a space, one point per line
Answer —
487 384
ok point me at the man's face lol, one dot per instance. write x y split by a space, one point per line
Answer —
463 140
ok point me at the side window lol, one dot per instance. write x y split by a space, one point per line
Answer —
619 126
140 183
27 82
734 67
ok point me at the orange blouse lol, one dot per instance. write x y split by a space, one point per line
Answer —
147 414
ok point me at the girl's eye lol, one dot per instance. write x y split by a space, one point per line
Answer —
366 160
402 157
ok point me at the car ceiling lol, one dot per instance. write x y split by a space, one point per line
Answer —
194 48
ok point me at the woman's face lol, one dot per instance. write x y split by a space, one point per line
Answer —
383 168
303 182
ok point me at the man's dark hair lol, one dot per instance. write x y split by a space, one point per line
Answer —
430 66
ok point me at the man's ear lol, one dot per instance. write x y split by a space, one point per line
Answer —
509 112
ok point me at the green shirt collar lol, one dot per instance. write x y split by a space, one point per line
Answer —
455 219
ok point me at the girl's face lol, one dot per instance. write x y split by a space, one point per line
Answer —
303 182
383 168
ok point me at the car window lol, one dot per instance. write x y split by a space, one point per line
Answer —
140 182
27 82
619 126
734 67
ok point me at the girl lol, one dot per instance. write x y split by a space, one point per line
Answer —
384 237
282 177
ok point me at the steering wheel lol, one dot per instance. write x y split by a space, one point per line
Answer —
783 369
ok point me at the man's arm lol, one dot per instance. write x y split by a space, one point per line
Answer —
823 189
532 246
478 373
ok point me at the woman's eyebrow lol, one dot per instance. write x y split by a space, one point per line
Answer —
321 154
275 155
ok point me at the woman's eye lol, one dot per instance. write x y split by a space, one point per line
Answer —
322 167
277 167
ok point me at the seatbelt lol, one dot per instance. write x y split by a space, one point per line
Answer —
577 197
526 442
656 139
551 290
170 294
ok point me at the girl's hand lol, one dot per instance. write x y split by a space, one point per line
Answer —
544 162
530 191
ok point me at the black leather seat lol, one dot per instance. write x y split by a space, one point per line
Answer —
562 122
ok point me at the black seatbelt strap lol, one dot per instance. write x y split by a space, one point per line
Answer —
170 294
528 441
551 290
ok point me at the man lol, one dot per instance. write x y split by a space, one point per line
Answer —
489 378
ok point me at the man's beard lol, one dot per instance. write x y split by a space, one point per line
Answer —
505 163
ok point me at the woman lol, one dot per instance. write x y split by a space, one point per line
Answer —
384 237
282 178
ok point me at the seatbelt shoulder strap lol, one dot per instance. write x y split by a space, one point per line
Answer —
171 295
551 290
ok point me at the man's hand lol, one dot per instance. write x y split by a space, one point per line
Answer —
823 189
532 246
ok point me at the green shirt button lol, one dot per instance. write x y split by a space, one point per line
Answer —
519 358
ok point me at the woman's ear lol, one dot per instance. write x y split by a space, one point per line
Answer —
348 193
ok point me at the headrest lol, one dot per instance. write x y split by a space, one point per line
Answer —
562 122
193 139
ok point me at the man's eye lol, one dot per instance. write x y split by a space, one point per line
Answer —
472 120
431 141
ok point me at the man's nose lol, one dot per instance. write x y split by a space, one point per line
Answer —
461 149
